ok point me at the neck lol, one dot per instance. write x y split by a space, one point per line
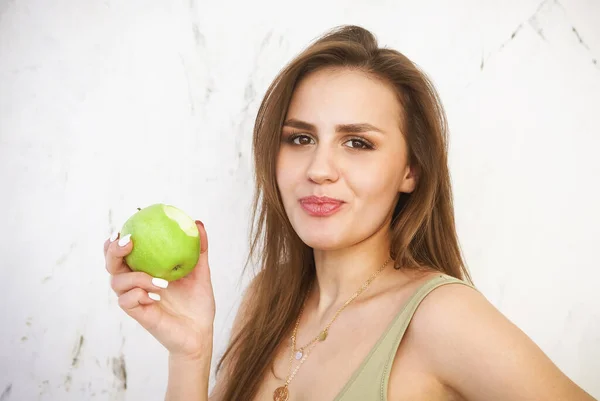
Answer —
340 273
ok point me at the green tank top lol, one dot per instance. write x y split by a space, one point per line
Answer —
370 379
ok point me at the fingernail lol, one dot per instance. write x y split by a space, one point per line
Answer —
125 240
199 222
114 236
159 282
154 296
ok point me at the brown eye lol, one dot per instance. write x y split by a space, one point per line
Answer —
301 140
357 143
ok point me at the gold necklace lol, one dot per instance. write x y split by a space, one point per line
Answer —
282 392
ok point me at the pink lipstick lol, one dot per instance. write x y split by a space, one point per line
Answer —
320 206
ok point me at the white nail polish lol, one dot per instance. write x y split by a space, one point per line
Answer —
154 296
125 240
114 236
159 282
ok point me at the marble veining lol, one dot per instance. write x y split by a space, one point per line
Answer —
107 106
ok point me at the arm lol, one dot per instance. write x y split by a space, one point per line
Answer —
472 348
239 321
188 377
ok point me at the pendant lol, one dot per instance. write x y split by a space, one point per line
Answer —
323 335
281 394
299 355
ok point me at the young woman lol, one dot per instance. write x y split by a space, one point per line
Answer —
356 239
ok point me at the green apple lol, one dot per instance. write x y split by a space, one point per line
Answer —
166 242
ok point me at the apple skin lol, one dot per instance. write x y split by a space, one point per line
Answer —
166 242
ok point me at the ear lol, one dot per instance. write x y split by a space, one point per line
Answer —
410 179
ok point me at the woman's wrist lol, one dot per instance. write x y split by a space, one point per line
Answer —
202 356
189 376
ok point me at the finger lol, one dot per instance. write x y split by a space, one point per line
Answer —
201 272
109 241
117 250
203 259
134 302
121 283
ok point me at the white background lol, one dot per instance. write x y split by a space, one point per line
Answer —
106 106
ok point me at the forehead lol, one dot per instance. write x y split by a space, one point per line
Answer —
338 96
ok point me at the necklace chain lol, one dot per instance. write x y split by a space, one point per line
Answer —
281 393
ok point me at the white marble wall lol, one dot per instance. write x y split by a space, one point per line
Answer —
110 105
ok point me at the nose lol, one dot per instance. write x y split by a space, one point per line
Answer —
323 166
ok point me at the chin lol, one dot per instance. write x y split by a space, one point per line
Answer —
325 245
328 234
323 240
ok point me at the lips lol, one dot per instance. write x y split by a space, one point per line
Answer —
320 206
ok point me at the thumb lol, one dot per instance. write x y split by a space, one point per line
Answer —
200 274
202 264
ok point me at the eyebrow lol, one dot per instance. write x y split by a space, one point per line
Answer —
343 128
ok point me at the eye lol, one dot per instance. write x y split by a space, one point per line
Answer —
300 139
359 143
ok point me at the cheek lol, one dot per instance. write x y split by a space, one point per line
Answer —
285 174
375 184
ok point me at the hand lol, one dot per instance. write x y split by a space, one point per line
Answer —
181 316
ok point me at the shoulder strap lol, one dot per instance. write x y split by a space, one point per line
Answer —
401 324
370 380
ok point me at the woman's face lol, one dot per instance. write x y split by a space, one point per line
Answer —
343 159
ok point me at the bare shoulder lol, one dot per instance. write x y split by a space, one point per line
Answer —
469 346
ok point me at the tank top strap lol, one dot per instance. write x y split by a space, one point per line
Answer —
402 321
370 379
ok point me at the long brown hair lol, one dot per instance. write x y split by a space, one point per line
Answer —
422 229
